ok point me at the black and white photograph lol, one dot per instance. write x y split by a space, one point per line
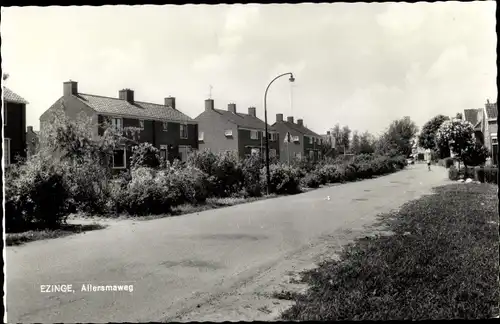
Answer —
250 162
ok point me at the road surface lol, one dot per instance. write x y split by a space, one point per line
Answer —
215 265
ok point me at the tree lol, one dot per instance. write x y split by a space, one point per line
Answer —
337 135
355 143
366 143
427 137
345 138
399 137
459 116
475 154
458 135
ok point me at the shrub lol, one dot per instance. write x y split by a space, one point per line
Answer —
311 180
449 162
145 155
488 175
36 195
330 173
251 172
283 179
188 185
453 173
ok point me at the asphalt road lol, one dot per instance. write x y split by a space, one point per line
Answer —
177 265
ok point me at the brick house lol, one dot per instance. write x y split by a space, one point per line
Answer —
485 125
303 142
14 122
229 130
163 125
32 141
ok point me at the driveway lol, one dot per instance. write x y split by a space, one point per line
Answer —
214 265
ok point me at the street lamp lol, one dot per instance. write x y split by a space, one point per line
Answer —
268 174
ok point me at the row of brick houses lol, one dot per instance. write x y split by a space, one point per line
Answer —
174 133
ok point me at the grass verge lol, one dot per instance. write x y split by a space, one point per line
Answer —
13 239
441 263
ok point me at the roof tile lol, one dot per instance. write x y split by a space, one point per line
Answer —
243 120
10 96
138 109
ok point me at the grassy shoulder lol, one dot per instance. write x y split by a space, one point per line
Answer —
12 239
441 263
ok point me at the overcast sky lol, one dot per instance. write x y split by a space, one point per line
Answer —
363 65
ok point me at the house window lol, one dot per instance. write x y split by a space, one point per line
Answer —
273 137
184 131
295 138
255 151
165 126
117 124
119 158
6 151
201 136
141 124
272 153
254 134
228 132
311 154
164 152
184 150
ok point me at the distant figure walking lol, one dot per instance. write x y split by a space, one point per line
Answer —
429 163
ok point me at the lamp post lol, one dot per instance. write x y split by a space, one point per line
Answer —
268 174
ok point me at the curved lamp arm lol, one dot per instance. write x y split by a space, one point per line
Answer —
292 79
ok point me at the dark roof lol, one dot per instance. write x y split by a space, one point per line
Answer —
470 115
10 96
139 109
301 129
243 120
491 110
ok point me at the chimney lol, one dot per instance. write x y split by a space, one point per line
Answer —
232 108
251 111
170 102
70 88
30 128
279 117
126 94
209 104
328 133
289 119
300 122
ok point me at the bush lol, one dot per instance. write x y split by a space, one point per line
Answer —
330 173
283 179
187 185
488 175
453 173
145 155
251 173
36 195
449 162
311 180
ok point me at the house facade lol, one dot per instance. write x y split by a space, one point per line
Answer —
485 125
163 125
232 131
14 121
298 141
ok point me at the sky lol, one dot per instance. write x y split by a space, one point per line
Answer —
361 65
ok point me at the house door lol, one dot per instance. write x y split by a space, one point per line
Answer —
164 152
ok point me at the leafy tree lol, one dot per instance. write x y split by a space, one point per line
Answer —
355 143
398 138
366 143
475 154
458 135
337 135
145 155
345 137
427 137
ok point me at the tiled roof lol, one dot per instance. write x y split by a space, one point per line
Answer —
139 109
301 129
10 96
470 115
491 110
243 120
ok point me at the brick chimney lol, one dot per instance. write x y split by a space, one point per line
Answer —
289 119
252 112
328 133
70 88
170 102
30 129
300 122
126 94
209 104
232 108
279 118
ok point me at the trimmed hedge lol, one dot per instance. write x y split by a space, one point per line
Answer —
488 175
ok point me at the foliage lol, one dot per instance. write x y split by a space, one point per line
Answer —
458 134
453 173
488 175
427 137
311 180
355 143
251 172
345 138
284 179
366 143
397 140
449 162
475 154
36 195
145 155
330 173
